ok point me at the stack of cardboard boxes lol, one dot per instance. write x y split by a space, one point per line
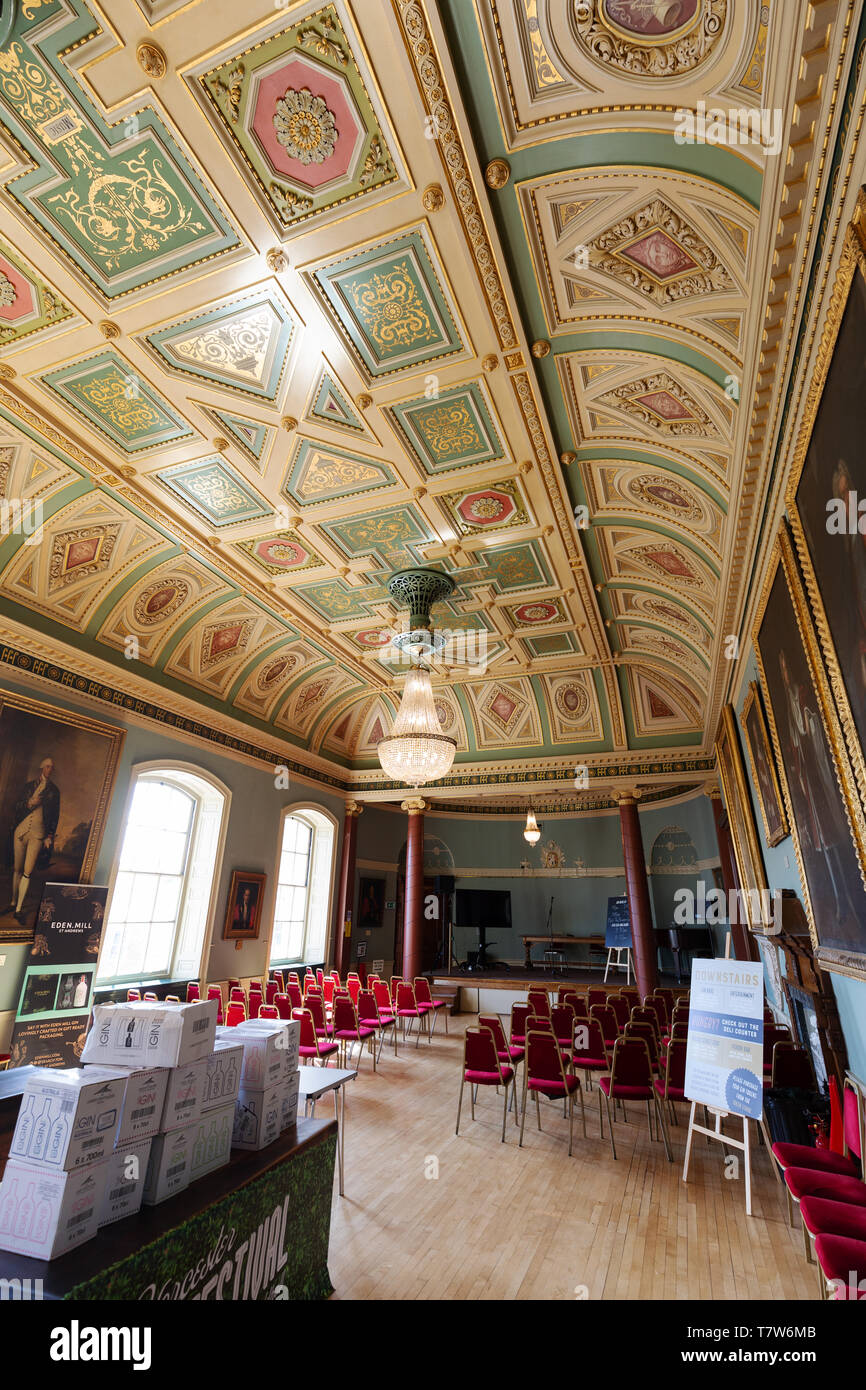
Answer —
161 1098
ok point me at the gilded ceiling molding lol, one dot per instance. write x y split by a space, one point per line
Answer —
421 48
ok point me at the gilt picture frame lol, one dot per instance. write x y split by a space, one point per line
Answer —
741 818
765 778
244 906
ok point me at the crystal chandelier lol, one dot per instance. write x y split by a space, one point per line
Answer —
416 751
531 832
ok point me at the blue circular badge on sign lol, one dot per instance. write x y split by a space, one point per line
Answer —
744 1093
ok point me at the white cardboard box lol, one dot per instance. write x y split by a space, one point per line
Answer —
44 1213
124 1185
183 1095
223 1078
258 1116
212 1140
68 1116
291 1031
168 1165
289 1092
264 1050
143 1101
151 1035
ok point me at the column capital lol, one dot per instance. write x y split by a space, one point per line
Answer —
713 791
354 809
628 796
414 805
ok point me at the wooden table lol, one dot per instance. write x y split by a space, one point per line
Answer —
591 942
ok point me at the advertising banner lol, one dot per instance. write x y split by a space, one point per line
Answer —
725 1054
55 998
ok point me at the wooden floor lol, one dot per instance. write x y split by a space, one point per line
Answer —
499 1222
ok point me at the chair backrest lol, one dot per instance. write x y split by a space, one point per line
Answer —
382 995
607 1018
269 1011
658 1008
353 985
316 1007
595 1045
371 980
620 1007
853 1123
479 1051
792 1066
256 987
151 996
595 995
214 992
171 999
773 1033
283 1004
294 977
422 990
308 1028
494 1023
293 990
368 1010
406 996
631 993
271 988
237 995
345 1014
395 981
233 984
675 1063
132 995
335 976
235 1014
641 1014
543 1056
519 1015
647 1033
567 994
679 1029
257 1003
193 991
279 980
539 1002
320 976
631 1064
562 1019
668 996
328 988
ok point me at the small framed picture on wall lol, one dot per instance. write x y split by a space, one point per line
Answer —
244 909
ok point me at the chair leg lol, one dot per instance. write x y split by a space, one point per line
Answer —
582 1111
522 1115
649 1118
538 1109
664 1129
514 1096
609 1123
600 1114
504 1112
460 1105
472 1091
807 1243
571 1124
790 1205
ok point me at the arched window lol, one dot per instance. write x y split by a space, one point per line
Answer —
166 876
304 879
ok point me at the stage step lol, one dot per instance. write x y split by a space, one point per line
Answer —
449 992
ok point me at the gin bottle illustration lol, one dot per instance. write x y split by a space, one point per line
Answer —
24 1128
40 1131
211 1141
208 1087
217 1087
198 1152
8 1203
231 1079
25 1213
40 1225
57 1139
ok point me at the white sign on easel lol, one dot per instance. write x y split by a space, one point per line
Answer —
725 1052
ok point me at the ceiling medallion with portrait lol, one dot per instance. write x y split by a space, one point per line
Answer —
656 490
305 127
650 38
159 601
659 254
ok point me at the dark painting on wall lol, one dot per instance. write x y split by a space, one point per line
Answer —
371 903
827 486
244 908
57 772
816 776
763 768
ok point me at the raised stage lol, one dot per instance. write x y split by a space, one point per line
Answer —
497 989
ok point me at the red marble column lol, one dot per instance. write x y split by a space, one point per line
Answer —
413 910
346 889
637 891
730 878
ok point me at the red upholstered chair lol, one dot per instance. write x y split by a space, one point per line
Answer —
671 1087
621 1008
505 1051
426 1001
384 1004
235 1014
792 1066
171 999
312 1047
642 1014
347 1028
283 1004
645 1030
590 1054
668 998
679 1030
353 985
821 1216
214 992
562 1019
407 1009
237 995
269 1011
482 1067
517 1032
320 976
328 987
151 997
842 1261
631 1078
294 977
658 1008
595 995
133 996
279 980
567 994
316 1007
293 990
271 988
604 1014
256 1003
773 1033
631 993
370 1017
539 1002
233 984
810 1172
544 1075
193 992
395 981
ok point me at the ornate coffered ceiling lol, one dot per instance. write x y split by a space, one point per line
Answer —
267 335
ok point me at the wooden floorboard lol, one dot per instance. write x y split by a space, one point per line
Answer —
505 1223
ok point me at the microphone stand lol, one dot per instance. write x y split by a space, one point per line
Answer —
549 927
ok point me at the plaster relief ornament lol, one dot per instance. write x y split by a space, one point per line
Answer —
8 293
305 127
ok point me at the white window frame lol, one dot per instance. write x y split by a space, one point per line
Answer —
168 766
298 808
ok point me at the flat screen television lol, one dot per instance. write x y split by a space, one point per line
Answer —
483 909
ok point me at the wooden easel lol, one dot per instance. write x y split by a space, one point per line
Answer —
744 1144
617 964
